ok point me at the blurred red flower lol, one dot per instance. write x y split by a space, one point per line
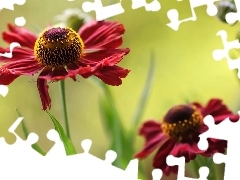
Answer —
59 53
178 134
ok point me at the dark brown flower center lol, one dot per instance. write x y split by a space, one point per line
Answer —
58 47
182 122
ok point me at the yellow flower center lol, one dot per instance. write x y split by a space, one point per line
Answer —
58 47
182 122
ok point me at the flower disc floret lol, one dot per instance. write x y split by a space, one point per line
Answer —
182 122
58 47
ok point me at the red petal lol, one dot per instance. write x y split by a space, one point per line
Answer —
150 129
101 34
152 132
6 77
59 73
73 70
186 150
21 35
151 145
23 67
159 160
43 92
105 69
104 54
112 75
218 110
18 53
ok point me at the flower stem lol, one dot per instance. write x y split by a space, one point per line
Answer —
62 91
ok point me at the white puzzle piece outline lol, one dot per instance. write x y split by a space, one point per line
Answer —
173 14
218 131
219 54
180 162
21 157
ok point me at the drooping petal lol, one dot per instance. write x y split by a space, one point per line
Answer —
46 74
59 73
73 70
102 34
43 92
56 74
19 34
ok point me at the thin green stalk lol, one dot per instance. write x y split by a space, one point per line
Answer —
64 104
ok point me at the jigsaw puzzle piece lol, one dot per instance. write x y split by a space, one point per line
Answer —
103 169
58 149
232 17
12 46
3 90
10 4
224 53
180 162
231 159
103 12
218 131
157 174
173 14
153 6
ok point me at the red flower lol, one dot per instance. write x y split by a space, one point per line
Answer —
59 53
178 134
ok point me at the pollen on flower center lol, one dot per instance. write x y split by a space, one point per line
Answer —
182 122
58 47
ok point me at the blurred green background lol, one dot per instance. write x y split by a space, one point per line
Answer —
185 71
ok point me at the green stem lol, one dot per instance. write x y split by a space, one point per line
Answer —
62 91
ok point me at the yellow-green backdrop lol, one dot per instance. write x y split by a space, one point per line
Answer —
185 71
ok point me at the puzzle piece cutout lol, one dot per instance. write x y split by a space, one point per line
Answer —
173 14
153 6
103 12
229 131
3 90
116 9
232 17
24 161
11 47
157 174
9 4
224 53
180 162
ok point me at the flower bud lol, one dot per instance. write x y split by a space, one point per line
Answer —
73 18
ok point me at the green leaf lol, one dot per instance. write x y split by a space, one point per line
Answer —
35 146
112 123
143 99
69 148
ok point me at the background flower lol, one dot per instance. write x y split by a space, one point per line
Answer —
178 133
